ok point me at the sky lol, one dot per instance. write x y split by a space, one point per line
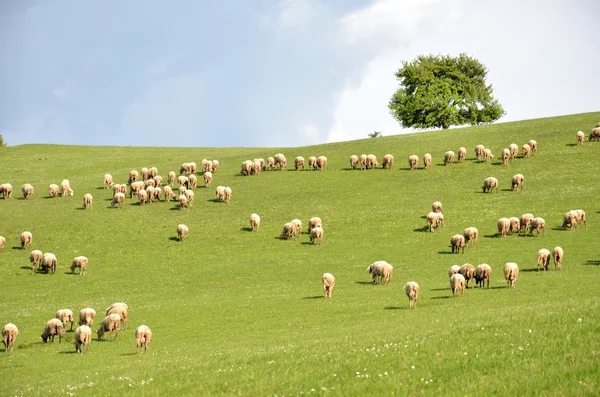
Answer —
272 73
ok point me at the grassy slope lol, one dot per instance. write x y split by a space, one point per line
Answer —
241 313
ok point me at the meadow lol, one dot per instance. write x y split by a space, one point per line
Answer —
236 312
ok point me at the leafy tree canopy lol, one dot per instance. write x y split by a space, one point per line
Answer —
440 91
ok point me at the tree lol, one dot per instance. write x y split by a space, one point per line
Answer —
2 143
375 134
440 91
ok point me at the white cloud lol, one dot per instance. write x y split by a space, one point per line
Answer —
294 13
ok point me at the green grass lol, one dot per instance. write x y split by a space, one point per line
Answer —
241 313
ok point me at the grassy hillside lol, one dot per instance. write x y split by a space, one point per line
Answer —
242 313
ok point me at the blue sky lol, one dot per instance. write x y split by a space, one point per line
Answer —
272 73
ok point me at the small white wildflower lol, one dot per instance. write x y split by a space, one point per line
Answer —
579 320
413 367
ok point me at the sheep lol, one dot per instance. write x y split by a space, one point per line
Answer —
321 162
471 234
6 190
557 257
353 161
193 167
156 194
413 161
298 224
488 156
143 336
26 239
525 221
432 221
168 193
453 270
2 243
117 200
182 180
262 164
27 190
503 226
83 336
570 219
581 217
216 165
314 222
117 304
182 201
281 160
117 188
479 149
147 190
468 272
158 180
87 316
143 197
108 181
381 271
517 182
247 168
254 222
526 149
489 184
204 165
538 224
457 242
594 135
412 292
505 156
80 262
111 323
207 179
533 145
515 224
426 160
511 273
372 161
145 173
448 157
436 206
514 150
121 309
364 161
543 259
133 177
171 178
9 336
457 283
189 195
181 190
53 190
228 192
152 172
316 234
65 188
65 316
440 219
49 262
135 187
220 193
580 137
182 231
289 230
388 160
207 166
271 163
53 328
328 281
35 258
483 272
299 162
87 201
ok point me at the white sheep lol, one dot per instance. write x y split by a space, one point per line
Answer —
488 156
372 161
168 193
543 259
457 283
135 187
121 309
468 272
53 328
143 336
151 192
412 292
181 190
247 168
299 162
49 262
65 316
388 160
143 197
581 217
426 160
189 195
289 230
503 226
381 271
471 234
328 281
87 201
316 234
570 219
182 231
2 243
511 273
526 221
9 336
526 150
216 165
6 190
53 190
533 145
207 179
538 224
228 192
65 188
182 180
557 256
462 154
87 316
35 258
580 137
145 173
321 162
80 262
108 181
298 224
594 135
517 182
515 224
483 272
271 163
353 161
182 201
220 193
171 178
489 184
514 150
413 161
118 199
457 242
314 222
133 177
505 156
281 160
26 239
364 161
479 149
254 222
432 220
436 206
83 337
111 323
453 270
27 190
156 194
448 157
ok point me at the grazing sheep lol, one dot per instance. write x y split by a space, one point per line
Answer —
381 271
192 169
413 161
271 163
2 243
298 224
503 226
220 193
570 219
121 310
580 137
181 190
35 258
526 221
440 219
312 163
372 161
526 150
152 172
388 160
483 272
256 167
27 190
289 230
168 193
207 179
321 162
80 262
189 195
207 166
111 323
182 232
479 149
117 200
328 283
281 160
353 161
412 292
228 192
26 239
145 173
204 165
538 224
314 222
433 221
171 178
143 336
543 259
133 177
9 336
65 316
135 187
158 180
533 145
299 162
108 181
53 328
143 196
150 191
517 182
505 156
65 188
182 201
581 217
457 242
156 194
182 180
247 168
557 257
117 188
453 270
6 190
515 224
511 273
488 156
436 206
117 304
468 272
426 160
594 135
514 150
471 234
364 161
254 222
448 157
87 201
83 337
489 184
49 262
457 283
316 234
216 165
53 190
462 154
87 316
